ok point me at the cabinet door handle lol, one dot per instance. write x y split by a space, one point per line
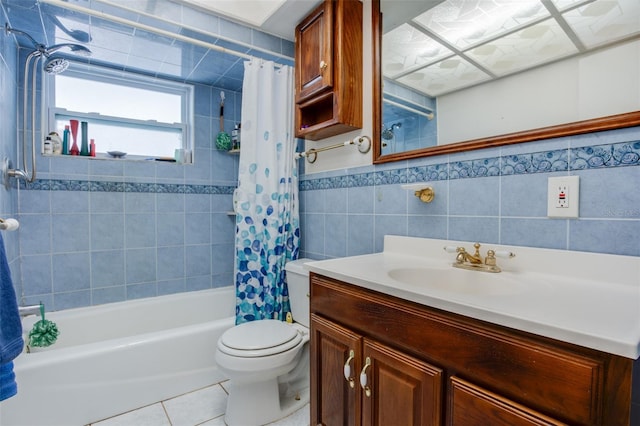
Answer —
323 66
363 377
347 369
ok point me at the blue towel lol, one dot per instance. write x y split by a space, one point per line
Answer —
8 386
11 342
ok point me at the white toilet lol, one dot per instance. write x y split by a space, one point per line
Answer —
267 362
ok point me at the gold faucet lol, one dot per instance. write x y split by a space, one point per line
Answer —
475 262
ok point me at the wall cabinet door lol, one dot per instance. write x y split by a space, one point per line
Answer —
399 389
314 52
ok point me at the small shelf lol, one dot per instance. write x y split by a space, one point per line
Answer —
234 151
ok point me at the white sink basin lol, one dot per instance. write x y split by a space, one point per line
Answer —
458 281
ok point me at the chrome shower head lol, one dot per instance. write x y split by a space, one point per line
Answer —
75 48
387 134
56 65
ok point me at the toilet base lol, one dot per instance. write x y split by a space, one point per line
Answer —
256 404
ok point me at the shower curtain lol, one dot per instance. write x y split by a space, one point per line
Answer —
266 200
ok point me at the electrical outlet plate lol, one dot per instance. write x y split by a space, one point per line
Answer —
563 196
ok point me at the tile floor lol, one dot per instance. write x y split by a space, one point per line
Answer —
203 407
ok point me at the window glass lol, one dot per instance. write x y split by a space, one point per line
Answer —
139 115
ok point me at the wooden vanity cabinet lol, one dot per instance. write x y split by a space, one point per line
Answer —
328 70
408 390
431 367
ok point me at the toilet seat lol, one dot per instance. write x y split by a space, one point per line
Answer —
259 339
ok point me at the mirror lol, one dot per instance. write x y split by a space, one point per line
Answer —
401 120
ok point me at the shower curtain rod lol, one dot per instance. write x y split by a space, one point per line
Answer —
81 9
312 154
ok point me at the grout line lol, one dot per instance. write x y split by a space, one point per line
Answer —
166 413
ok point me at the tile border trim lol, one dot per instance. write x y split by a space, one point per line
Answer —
560 160
111 186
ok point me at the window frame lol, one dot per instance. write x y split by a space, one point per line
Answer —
124 78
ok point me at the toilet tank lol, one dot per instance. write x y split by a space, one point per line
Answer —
298 285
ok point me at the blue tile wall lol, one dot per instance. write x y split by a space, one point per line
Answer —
8 131
122 240
496 195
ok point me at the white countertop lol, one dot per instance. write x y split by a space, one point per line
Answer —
588 299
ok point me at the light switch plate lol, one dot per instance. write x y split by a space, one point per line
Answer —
563 197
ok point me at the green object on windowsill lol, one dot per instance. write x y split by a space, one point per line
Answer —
44 332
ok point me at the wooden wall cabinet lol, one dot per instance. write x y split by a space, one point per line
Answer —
430 367
328 70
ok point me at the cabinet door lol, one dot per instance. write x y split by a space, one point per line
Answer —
400 390
334 350
470 405
314 52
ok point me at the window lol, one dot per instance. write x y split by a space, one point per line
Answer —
139 115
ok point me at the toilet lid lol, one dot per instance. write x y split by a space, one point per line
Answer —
259 338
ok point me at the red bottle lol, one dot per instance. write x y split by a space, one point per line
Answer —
74 133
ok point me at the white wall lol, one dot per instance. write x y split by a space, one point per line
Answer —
599 84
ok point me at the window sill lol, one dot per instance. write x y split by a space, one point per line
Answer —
128 158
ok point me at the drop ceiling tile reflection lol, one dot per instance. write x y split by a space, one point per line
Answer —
465 23
406 47
563 5
535 45
445 76
603 21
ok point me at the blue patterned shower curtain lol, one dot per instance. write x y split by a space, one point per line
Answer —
266 200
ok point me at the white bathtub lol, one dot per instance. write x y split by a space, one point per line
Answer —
116 357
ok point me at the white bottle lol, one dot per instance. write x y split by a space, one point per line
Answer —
56 143
234 138
48 148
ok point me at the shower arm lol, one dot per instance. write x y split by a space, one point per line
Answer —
9 30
